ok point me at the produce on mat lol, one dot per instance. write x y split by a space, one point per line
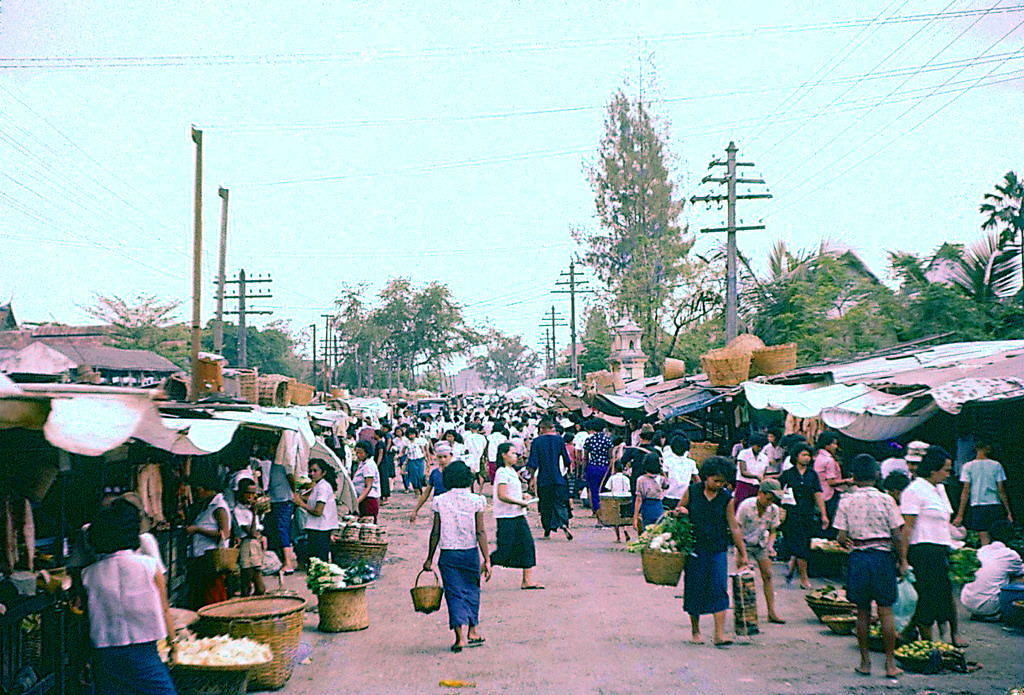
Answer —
673 534
323 576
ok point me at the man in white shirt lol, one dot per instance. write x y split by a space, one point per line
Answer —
494 439
476 444
999 566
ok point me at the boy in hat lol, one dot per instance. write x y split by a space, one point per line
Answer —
759 518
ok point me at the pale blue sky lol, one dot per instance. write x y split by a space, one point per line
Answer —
446 140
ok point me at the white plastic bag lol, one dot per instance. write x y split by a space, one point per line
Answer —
906 601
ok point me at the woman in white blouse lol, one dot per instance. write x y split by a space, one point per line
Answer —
927 533
459 530
322 509
210 529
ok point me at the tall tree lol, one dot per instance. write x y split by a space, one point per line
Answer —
597 341
640 245
1004 212
144 322
507 362
270 349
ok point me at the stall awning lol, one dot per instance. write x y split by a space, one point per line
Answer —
187 436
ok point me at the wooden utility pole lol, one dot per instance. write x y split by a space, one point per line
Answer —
328 373
218 326
242 296
197 265
730 180
313 326
551 320
574 286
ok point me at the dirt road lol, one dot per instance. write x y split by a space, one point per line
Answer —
599 628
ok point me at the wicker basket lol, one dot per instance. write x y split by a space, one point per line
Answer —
210 680
610 513
301 394
661 568
726 367
822 608
840 624
368 535
275 390
701 451
773 360
348 553
225 559
745 342
426 599
248 388
673 369
273 619
350 533
343 610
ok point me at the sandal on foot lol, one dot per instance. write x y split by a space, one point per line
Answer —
475 641
531 587
456 648
723 643
859 672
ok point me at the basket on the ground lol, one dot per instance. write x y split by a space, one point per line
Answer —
773 359
225 559
936 662
273 619
343 609
840 624
700 451
726 367
347 553
661 568
823 607
614 511
210 680
426 599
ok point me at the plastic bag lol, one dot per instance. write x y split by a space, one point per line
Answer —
906 602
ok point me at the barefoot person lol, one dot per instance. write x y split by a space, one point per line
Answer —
760 517
549 460
705 585
515 542
459 530
871 527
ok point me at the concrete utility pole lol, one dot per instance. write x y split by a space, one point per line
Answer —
730 180
242 296
218 326
574 286
197 265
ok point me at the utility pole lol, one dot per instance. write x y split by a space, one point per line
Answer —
328 373
218 325
547 353
551 320
730 180
242 296
197 265
574 286
313 326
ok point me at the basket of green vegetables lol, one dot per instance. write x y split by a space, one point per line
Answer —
664 547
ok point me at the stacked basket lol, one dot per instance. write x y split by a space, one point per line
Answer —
700 451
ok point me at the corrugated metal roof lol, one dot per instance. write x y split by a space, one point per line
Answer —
104 357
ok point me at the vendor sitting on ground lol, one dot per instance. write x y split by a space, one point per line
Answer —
999 566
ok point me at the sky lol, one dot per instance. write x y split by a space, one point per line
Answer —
448 140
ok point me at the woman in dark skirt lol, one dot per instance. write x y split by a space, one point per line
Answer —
515 542
801 523
711 510
459 530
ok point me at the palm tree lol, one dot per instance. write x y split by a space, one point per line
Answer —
986 271
1004 211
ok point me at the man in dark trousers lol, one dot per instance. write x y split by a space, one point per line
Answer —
549 460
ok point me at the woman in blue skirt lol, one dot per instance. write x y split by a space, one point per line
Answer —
459 530
713 514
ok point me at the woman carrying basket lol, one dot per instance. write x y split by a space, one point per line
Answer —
459 530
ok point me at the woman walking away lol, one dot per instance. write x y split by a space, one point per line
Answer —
800 525
459 530
549 462
650 488
515 542
367 481
128 609
713 514
926 531
322 509
596 456
759 518
210 529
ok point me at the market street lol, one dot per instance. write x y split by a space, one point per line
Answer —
598 628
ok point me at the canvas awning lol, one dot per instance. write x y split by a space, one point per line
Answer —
187 436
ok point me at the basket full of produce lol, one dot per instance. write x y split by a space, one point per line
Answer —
842 624
924 656
202 666
341 594
664 547
360 541
876 642
963 565
829 600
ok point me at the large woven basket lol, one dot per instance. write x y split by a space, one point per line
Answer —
610 513
774 359
426 599
822 608
274 620
210 680
348 553
701 451
745 342
660 568
275 390
343 610
301 394
248 387
726 367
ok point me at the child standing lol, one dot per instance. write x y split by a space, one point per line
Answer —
619 485
250 549
759 518
650 488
